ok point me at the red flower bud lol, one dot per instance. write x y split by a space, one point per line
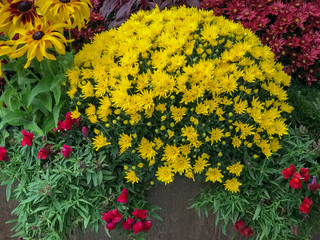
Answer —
27 139
246 231
123 198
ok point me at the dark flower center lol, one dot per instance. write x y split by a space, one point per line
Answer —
65 1
24 6
38 35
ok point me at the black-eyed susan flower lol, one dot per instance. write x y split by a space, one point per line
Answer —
74 12
17 14
35 42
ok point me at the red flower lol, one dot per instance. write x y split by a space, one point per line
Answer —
137 227
147 225
66 150
306 205
128 223
27 139
313 186
246 231
123 198
295 183
43 153
142 214
239 225
110 226
304 172
59 127
287 172
3 154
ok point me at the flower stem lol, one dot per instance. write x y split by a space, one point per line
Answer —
49 66
69 30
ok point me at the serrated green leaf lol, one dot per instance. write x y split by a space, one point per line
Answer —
42 87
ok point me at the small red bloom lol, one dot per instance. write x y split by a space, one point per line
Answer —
304 172
112 217
128 223
305 206
287 173
147 225
295 183
246 231
239 225
66 150
27 139
43 153
110 226
137 227
142 214
123 198
3 154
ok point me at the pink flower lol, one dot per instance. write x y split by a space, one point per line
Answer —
3 154
43 153
84 132
27 139
313 186
66 150
123 198
142 214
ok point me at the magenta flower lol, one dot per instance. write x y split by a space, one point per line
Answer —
313 186
43 153
66 150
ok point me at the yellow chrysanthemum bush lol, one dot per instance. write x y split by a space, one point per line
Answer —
181 92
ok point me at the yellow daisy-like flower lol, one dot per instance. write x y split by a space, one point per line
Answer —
36 40
100 141
214 175
131 177
200 165
165 174
75 114
178 113
17 14
181 164
216 135
124 142
236 142
232 185
146 150
235 169
75 12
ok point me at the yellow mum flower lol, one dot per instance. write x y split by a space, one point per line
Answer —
236 142
235 169
232 185
216 135
75 114
124 142
214 175
75 12
146 150
200 165
36 40
100 141
131 177
165 174
177 113
181 164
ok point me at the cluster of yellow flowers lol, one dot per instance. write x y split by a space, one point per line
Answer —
179 89
39 25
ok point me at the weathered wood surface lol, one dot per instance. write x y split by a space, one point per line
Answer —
179 223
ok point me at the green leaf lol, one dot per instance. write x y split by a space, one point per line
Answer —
42 87
17 117
257 212
56 112
47 100
8 191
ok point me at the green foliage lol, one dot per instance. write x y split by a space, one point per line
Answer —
306 103
34 97
266 202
